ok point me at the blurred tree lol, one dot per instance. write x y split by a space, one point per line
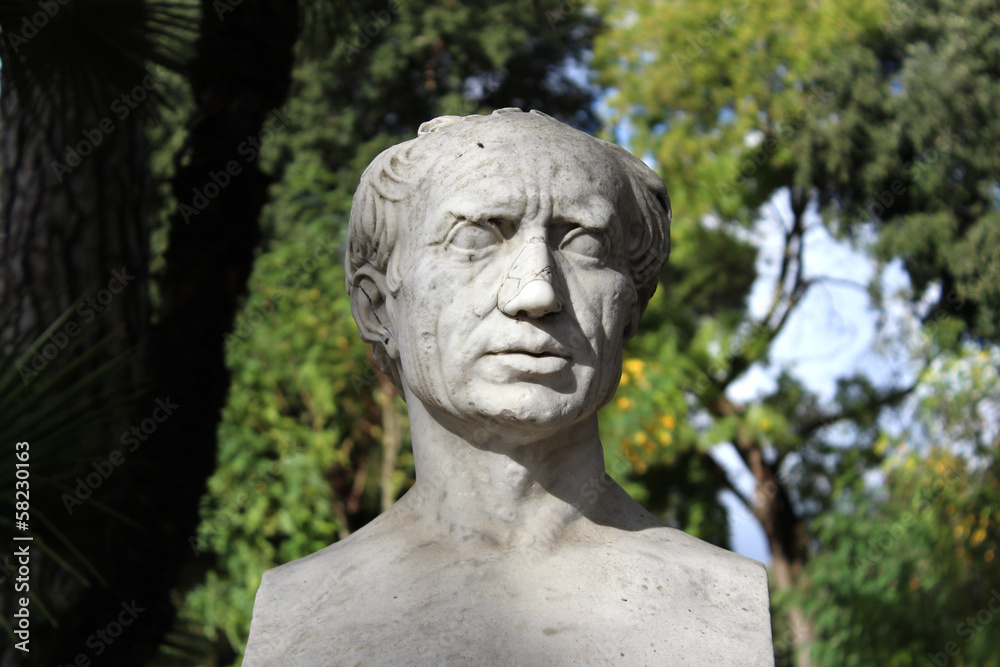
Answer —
79 83
920 548
908 142
717 94
76 176
795 112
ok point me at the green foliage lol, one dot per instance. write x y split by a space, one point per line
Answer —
827 106
65 403
717 95
654 451
76 58
693 81
299 410
920 548
909 141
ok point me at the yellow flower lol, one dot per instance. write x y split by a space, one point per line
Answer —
634 366
624 403
640 437
624 379
628 451
665 438
978 537
668 422
765 424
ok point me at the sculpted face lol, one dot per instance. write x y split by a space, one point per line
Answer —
515 292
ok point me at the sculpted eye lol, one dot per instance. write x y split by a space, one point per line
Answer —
475 236
583 242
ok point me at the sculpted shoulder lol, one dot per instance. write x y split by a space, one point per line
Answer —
376 586
639 535
687 550
342 560
717 602
293 595
709 571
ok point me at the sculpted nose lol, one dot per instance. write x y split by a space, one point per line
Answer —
528 286
535 299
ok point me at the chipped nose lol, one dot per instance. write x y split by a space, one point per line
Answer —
528 287
535 299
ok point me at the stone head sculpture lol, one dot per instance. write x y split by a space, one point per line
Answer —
498 264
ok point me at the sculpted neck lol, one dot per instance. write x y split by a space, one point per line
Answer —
503 490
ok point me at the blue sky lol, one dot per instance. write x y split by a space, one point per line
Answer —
832 334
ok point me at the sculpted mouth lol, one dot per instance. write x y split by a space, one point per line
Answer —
538 354
520 363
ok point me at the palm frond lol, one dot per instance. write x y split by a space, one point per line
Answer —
64 414
74 63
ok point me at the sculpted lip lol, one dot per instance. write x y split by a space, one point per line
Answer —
531 360
532 351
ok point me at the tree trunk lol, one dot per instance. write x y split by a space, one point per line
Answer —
73 221
74 236
786 539
65 237
240 76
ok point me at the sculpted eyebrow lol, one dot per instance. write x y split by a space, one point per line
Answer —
452 218
596 217
455 216
589 224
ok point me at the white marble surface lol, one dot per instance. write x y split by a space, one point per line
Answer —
498 264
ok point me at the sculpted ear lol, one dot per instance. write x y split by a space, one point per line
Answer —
368 306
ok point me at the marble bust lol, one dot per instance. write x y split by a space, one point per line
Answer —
498 264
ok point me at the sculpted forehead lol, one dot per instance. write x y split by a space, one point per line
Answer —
514 162
543 148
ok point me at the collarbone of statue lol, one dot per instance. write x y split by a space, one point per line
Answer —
497 265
